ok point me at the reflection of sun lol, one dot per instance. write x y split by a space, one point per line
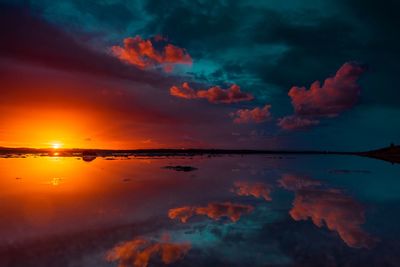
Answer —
56 145
55 181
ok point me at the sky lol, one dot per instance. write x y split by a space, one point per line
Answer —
199 74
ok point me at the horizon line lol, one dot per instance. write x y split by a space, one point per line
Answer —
287 150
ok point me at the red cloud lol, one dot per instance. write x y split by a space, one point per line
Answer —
138 252
330 207
231 95
258 190
142 53
214 211
296 122
256 115
183 92
213 94
336 95
338 212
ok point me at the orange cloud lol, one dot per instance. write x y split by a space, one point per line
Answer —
183 92
338 212
142 53
214 94
256 115
258 190
138 252
214 211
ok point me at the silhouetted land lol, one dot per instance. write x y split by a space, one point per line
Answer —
391 153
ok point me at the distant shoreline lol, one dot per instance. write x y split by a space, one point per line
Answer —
390 154
100 152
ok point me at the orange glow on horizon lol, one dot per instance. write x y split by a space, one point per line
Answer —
79 111
57 129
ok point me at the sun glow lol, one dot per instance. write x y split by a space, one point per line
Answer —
56 145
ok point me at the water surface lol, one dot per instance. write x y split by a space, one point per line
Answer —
252 210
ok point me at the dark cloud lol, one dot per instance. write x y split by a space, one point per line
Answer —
315 44
116 14
310 43
190 23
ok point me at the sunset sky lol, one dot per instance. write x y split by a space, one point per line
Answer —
199 74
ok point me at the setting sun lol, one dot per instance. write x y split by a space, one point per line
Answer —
56 145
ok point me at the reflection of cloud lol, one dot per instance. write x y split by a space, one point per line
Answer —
138 252
258 190
143 54
256 115
214 94
294 183
214 211
340 213
182 213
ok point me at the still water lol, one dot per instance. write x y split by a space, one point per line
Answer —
225 211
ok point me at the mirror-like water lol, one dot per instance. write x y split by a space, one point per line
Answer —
225 211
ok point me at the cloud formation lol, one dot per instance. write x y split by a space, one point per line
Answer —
138 252
256 115
214 94
296 122
185 91
337 93
258 190
214 211
144 54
